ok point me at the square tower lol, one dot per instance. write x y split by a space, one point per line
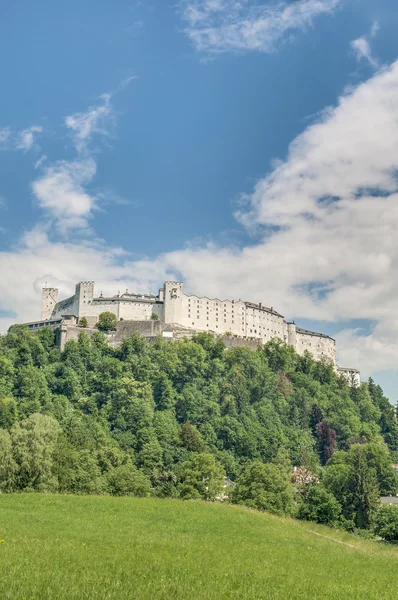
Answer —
49 297
83 298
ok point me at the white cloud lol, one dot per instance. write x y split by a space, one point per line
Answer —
361 47
223 25
94 121
25 138
60 193
40 161
5 134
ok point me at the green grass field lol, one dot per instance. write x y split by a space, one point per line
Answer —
64 547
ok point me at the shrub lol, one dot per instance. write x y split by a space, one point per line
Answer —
83 322
385 522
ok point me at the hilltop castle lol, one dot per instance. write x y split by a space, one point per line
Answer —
237 318
174 314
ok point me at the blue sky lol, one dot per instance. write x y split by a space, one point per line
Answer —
248 148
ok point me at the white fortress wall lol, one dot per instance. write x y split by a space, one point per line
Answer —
318 344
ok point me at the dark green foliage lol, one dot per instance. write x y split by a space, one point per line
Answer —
107 321
385 523
354 480
170 414
320 506
83 322
326 441
265 487
191 439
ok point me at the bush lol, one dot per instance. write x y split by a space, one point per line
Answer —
83 322
385 522
320 506
265 487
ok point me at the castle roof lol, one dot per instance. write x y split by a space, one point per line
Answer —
308 332
263 308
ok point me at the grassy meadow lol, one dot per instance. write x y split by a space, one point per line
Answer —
68 547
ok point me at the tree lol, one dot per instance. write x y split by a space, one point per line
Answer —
191 439
200 477
107 321
320 506
127 480
154 317
265 487
353 482
326 441
83 322
385 522
34 441
7 463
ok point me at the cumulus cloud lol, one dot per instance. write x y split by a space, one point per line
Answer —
217 26
60 193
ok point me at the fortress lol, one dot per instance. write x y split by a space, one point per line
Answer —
172 307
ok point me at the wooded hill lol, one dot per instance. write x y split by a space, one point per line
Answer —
151 418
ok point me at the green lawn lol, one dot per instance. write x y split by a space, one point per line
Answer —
58 547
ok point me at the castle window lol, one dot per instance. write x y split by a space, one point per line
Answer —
216 319
207 318
193 323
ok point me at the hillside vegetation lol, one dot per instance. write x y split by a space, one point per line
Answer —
171 419
69 548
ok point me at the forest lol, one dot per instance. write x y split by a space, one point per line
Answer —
172 419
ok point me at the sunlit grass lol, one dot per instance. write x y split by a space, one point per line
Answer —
64 547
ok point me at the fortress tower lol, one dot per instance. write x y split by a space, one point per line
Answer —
172 294
83 298
49 298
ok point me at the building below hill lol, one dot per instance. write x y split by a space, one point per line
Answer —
239 319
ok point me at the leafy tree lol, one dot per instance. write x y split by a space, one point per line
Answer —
265 487
107 321
154 317
83 322
320 506
385 522
200 477
126 480
354 484
33 441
